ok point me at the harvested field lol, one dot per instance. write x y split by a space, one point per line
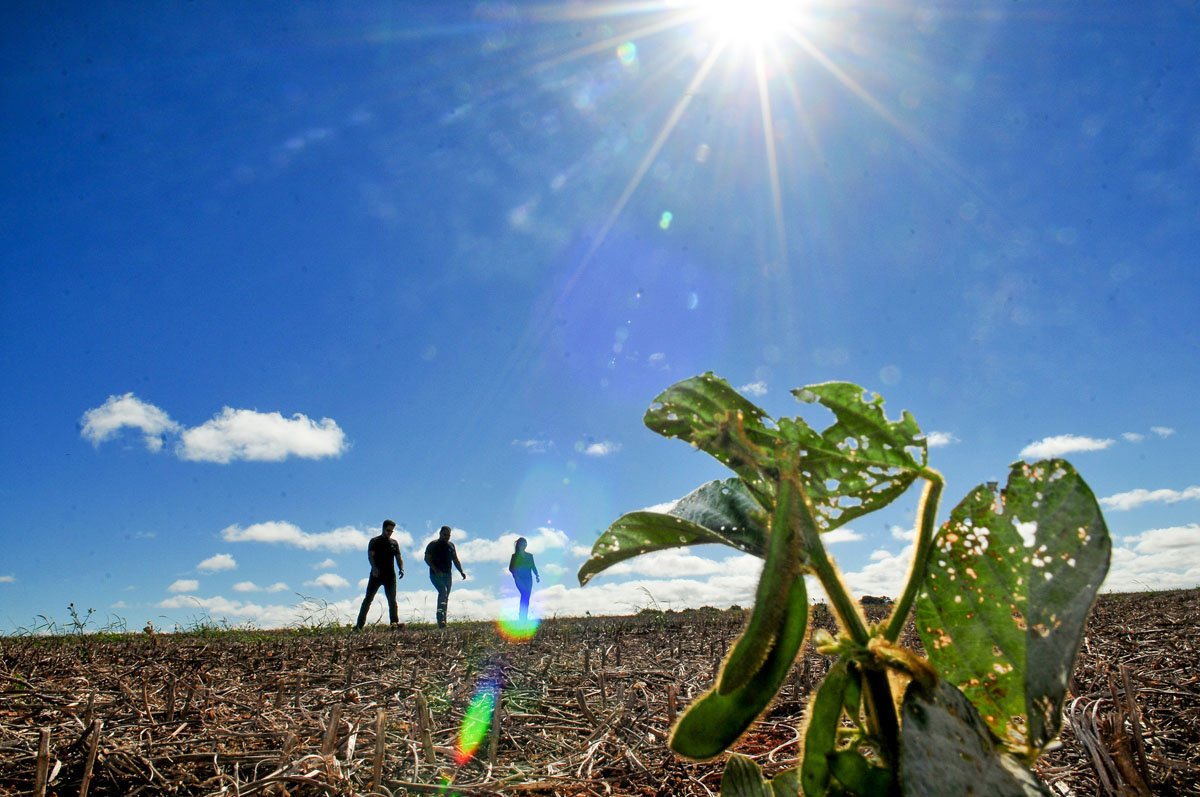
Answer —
583 708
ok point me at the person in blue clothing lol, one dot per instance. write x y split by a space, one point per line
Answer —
440 554
383 553
524 571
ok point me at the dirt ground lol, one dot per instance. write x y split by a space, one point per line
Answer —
583 708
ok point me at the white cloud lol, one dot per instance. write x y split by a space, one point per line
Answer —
230 435
842 534
669 563
1061 444
501 549
346 538
1121 502
534 446
8 579
217 563
1167 558
902 533
119 605
104 422
325 564
328 581
756 389
939 439
250 586
1133 437
262 437
184 585
1162 431
598 448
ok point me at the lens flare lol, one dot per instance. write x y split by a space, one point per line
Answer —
476 722
627 53
514 630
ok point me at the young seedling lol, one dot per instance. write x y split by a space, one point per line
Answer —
1001 592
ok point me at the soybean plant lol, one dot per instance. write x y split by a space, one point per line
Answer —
1000 593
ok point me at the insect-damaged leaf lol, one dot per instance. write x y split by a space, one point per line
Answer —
715 721
863 461
859 464
717 512
947 750
1003 619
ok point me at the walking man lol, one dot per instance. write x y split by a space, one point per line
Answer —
440 555
383 553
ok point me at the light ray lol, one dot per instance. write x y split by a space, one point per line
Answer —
764 102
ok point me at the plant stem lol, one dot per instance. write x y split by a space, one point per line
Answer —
926 518
881 709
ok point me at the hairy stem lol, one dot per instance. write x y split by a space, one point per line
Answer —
926 518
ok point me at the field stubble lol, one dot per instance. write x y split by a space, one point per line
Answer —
584 708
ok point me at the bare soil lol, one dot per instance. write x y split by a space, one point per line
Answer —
584 708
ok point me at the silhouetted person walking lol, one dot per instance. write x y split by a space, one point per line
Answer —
384 555
440 555
523 571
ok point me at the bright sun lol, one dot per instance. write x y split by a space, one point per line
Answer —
750 22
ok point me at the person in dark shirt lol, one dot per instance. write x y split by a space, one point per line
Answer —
440 555
523 570
383 553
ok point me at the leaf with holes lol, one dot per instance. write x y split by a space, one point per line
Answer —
722 512
863 461
1006 593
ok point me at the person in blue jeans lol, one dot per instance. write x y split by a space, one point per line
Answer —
524 571
383 553
440 555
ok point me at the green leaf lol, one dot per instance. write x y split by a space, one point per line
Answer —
784 565
1003 620
786 783
946 750
743 778
863 461
820 735
859 776
717 512
714 722
706 412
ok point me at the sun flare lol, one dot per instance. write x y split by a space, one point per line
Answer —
752 23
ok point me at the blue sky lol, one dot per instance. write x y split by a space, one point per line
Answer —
274 273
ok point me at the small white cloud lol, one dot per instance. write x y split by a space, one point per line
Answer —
1133 437
119 605
1061 444
325 564
262 437
346 538
329 581
118 412
842 534
939 439
534 445
8 579
1122 502
902 533
217 563
756 389
1162 431
246 586
599 448
184 585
